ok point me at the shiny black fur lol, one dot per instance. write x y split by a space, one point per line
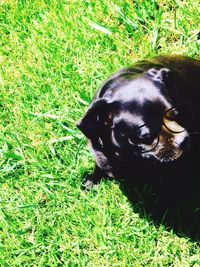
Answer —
167 186
140 92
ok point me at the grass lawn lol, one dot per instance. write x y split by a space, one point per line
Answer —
53 56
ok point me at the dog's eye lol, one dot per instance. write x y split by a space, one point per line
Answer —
171 114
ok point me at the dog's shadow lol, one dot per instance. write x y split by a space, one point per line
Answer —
167 194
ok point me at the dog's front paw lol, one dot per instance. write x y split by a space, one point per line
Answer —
90 181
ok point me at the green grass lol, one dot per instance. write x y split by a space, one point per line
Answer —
53 56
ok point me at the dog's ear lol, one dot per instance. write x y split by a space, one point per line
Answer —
116 80
161 75
97 118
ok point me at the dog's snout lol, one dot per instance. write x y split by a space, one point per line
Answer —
144 138
143 134
138 138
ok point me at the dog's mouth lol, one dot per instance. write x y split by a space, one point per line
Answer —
162 153
165 153
163 148
143 149
169 154
169 149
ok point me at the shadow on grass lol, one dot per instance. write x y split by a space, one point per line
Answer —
167 194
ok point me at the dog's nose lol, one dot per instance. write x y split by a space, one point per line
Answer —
143 135
139 139
144 138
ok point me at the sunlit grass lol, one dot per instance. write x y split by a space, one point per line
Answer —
53 57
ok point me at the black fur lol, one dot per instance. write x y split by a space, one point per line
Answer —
143 127
130 111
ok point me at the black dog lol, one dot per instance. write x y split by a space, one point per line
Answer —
142 115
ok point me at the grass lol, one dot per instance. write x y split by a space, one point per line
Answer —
53 56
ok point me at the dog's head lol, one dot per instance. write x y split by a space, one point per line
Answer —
138 116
